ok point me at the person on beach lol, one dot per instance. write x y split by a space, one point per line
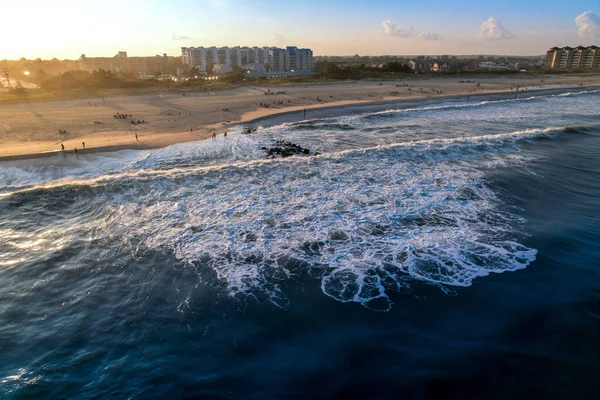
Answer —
214 135
136 137
225 134
62 147
83 144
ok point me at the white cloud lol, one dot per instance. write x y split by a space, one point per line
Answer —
177 37
589 24
391 29
492 29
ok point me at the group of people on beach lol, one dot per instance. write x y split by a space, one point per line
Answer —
271 93
122 116
127 116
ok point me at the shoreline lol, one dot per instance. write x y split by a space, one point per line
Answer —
406 103
273 116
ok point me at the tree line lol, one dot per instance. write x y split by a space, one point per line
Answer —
330 69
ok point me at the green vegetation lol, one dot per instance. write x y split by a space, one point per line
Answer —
329 69
100 79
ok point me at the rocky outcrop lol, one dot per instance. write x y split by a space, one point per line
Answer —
284 149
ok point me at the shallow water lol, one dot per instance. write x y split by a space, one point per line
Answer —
440 250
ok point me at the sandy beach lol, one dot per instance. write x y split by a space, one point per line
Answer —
29 129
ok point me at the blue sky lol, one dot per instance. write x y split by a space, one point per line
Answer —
69 28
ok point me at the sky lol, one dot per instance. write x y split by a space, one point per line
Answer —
65 29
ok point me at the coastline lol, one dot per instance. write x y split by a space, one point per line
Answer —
351 108
117 141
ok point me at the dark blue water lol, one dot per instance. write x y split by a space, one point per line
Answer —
445 251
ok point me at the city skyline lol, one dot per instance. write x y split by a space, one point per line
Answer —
65 29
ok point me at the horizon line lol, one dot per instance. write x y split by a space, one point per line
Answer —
323 55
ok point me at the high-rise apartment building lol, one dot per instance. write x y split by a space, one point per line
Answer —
290 59
299 59
573 58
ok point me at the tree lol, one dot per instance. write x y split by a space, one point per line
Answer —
192 72
174 64
396 66
234 77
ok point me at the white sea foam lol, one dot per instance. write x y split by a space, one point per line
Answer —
363 222
67 168
578 93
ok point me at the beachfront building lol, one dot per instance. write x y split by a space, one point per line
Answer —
279 60
299 59
418 66
257 59
440 66
122 63
573 58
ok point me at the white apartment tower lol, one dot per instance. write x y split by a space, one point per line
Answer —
290 59
299 59
279 60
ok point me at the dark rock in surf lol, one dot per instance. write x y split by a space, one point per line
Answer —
285 149
248 130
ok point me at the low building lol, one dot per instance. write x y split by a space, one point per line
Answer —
440 66
221 69
416 66
573 58
122 63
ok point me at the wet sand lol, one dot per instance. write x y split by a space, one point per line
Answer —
31 129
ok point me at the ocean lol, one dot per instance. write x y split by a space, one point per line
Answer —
441 250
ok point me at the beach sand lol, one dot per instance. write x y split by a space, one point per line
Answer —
29 129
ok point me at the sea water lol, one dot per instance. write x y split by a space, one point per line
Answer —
445 249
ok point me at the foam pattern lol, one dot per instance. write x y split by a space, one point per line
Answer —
363 222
